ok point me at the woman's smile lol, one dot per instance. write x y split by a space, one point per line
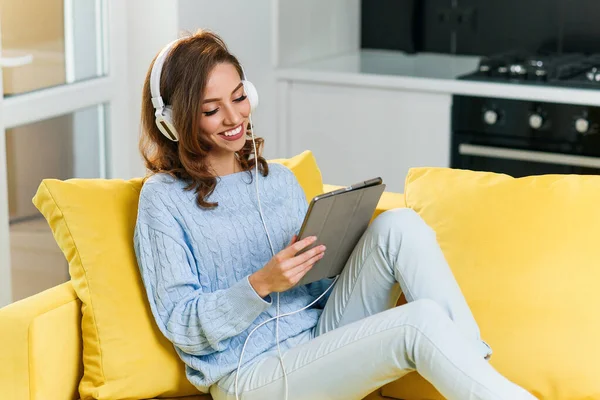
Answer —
233 134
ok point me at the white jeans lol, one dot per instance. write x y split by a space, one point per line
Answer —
363 342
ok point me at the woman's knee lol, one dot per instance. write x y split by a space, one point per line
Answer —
403 220
425 315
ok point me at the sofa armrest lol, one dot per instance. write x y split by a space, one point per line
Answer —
40 346
388 201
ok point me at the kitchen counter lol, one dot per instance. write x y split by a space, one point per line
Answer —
424 72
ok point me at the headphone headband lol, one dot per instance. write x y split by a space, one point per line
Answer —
157 100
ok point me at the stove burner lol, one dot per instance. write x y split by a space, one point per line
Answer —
593 74
518 70
576 69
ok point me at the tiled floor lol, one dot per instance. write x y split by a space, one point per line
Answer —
37 263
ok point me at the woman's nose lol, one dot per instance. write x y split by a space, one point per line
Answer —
232 116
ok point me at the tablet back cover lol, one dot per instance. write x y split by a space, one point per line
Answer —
338 222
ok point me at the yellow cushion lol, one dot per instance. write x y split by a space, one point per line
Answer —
307 172
526 254
124 353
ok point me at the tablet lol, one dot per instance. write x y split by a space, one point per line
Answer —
338 219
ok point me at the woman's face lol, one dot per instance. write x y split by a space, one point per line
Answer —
225 110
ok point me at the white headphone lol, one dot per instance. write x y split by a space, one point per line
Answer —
164 113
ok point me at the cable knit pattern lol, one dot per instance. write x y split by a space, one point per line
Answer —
195 265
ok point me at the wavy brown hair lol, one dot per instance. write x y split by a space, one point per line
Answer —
182 82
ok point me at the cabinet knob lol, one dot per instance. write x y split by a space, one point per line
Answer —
582 125
490 117
536 121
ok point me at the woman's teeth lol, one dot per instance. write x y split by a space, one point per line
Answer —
233 132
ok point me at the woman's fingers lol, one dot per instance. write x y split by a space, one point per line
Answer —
309 254
291 251
294 262
300 270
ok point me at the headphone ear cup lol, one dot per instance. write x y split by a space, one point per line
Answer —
251 93
164 122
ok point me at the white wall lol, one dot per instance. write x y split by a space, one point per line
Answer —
246 27
151 25
312 29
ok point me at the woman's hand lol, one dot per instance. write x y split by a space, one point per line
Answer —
286 269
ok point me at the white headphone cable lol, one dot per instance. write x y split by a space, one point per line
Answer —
272 253
269 320
277 313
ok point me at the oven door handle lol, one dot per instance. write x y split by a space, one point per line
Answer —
527 155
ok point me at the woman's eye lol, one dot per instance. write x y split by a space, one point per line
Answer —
213 112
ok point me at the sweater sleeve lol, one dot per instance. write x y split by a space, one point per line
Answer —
195 321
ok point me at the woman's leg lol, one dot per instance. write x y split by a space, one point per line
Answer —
350 362
397 254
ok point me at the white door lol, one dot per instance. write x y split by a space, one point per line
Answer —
62 111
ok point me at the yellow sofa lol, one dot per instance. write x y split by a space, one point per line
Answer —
41 347
524 252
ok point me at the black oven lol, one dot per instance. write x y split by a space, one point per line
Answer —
522 138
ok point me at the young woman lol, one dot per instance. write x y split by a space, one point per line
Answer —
217 261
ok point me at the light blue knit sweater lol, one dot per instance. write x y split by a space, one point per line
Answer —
195 265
